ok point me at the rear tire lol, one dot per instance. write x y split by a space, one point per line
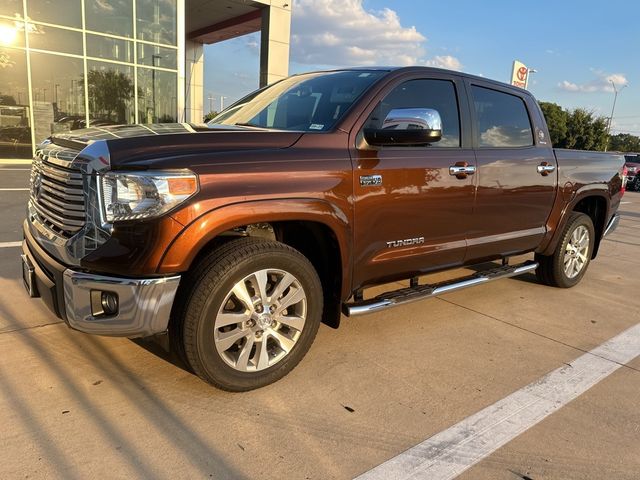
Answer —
252 314
568 264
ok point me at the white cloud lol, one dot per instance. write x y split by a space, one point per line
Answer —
600 84
445 61
343 33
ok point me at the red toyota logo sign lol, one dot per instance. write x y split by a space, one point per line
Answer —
522 73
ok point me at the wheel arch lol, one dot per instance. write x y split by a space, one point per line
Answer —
591 202
315 228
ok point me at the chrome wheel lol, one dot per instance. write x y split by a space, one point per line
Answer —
576 251
260 320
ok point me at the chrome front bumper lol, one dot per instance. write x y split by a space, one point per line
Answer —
144 304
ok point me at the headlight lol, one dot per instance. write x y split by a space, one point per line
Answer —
131 196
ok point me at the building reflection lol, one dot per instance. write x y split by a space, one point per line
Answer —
114 72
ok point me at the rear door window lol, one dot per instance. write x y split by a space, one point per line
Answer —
502 119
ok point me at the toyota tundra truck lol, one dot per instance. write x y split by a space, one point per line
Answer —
237 238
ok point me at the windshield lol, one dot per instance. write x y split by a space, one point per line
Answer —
309 102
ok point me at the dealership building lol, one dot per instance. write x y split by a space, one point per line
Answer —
68 64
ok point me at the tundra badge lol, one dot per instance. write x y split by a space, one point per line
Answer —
406 242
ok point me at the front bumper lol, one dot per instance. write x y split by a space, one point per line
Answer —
144 303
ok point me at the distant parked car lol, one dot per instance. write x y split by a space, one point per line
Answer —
632 162
15 141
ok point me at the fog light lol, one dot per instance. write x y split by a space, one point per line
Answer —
109 302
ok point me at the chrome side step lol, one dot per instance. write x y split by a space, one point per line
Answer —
420 292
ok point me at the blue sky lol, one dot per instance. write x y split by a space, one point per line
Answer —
576 46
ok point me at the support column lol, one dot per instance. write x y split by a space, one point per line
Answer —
274 44
194 82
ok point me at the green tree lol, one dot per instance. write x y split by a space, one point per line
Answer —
579 128
585 131
7 100
210 115
624 142
557 119
109 93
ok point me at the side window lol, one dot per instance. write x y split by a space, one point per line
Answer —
502 119
436 94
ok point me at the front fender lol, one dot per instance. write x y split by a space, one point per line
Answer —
200 232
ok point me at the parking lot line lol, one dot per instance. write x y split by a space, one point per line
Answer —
10 244
450 452
15 162
13 189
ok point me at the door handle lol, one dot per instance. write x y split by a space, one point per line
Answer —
461 169
545 168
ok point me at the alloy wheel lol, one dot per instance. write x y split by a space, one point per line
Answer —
260 320
576 251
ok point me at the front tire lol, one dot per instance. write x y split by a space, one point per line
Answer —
569 263
252 314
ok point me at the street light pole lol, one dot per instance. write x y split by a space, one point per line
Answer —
529 72
613 109
222 102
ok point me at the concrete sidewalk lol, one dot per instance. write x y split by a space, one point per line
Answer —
78 406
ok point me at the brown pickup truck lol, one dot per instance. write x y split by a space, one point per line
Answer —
239 237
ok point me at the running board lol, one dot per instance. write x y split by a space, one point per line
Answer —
420 292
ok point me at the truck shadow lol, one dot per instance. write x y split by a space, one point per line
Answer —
158 345
58 368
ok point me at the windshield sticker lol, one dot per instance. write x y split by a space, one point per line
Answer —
364 75
316 126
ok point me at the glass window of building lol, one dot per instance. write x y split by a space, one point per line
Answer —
88 63
58 94
44 37
15 129
156 21
110 16
11 8
59 12
109 48
111 93
155 56
157 96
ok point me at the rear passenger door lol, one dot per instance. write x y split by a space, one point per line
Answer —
513 198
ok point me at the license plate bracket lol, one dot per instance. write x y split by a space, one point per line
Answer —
29 276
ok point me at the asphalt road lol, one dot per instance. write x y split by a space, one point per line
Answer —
78 406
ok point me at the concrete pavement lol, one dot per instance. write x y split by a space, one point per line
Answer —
77 406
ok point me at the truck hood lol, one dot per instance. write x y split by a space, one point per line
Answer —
137 145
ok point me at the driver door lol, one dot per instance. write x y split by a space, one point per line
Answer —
411 214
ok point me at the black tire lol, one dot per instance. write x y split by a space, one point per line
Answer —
551 270
212 282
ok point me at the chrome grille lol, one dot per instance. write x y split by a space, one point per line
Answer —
56 192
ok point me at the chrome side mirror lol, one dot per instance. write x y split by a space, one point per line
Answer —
407 126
